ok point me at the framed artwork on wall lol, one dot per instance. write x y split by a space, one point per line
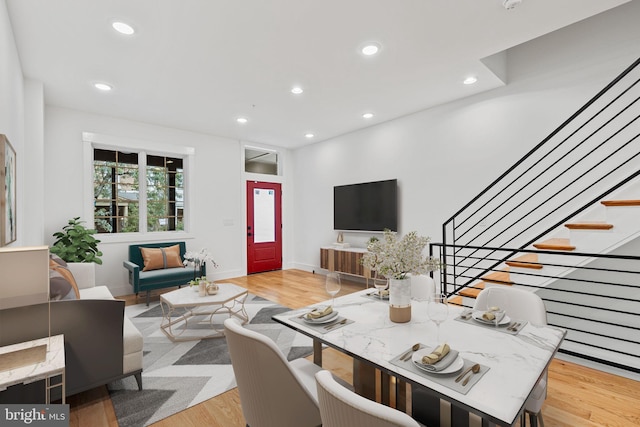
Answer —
8 223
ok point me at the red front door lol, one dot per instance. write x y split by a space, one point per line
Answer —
264 227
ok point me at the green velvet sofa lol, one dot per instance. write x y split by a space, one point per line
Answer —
156 279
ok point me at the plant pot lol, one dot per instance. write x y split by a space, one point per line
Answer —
400 300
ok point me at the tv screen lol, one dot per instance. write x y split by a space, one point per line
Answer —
369 206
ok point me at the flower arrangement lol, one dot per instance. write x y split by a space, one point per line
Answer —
197 260
394 258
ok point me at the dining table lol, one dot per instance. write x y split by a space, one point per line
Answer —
511 360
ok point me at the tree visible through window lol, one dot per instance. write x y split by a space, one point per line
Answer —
117 195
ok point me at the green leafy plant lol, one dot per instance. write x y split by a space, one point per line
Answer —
75 243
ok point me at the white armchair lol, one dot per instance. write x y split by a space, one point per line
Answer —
341 407
273 391
527 306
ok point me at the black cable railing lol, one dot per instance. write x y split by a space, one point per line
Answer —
596 299
593 155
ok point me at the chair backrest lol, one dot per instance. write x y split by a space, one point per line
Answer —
521 304
271 393
135 256
340 407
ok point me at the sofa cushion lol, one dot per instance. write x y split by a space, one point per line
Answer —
161 258
63 274
97 292
171 275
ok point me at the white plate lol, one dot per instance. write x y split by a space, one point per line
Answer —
455 366
477 315
376 295
326 319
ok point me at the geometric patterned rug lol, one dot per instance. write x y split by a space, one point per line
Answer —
176 376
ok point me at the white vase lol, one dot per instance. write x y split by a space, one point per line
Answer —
400 300
422 287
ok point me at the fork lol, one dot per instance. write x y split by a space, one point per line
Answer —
333 325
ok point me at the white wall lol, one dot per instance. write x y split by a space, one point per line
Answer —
218 190
444 156
21 121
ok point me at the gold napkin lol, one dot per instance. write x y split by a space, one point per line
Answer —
493 315
436 355
319 312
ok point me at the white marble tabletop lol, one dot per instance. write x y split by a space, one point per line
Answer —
54 363
516 362
188 296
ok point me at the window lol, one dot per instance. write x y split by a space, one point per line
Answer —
136 190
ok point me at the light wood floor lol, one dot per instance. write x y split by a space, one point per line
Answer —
577 396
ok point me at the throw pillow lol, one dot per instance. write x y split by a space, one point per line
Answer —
67 276
159 258
58 260
59 287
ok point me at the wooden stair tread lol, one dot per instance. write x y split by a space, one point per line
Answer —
471 292
589 226
525 261
555 244
455 301
621 202
501 277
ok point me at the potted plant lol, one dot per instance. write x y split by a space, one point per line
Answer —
75 243
397 259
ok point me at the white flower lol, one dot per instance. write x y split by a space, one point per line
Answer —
394 259
199 258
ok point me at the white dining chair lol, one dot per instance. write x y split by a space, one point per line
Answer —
523 305
273 391
340 407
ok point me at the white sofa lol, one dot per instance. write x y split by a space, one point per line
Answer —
84 274
101 344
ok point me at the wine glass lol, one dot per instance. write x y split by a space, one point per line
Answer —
438 310
380 284
496 304
332 284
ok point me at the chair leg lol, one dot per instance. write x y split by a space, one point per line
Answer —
147 298
138 378
533 419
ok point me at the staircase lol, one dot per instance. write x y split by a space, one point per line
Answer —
564 222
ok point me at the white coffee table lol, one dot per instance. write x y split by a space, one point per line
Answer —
187 316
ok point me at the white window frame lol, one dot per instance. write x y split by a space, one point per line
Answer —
143 148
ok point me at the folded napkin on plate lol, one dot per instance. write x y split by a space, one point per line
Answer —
440 358
492 315
319 312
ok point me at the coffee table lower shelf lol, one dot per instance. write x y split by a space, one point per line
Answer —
183 304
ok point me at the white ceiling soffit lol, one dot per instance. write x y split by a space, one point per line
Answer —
200 64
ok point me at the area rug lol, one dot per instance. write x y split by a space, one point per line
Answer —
177 376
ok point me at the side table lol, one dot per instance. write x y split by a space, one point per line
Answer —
52 366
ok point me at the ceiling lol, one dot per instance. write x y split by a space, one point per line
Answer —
200 64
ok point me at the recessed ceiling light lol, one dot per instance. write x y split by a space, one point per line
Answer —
470 80
123 28
367 115
103 87
309 135
297 90
242 120
370 49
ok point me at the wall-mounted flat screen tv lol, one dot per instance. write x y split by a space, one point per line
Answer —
368 206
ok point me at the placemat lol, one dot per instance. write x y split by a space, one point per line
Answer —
514 327
323 328
447 380
374 296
